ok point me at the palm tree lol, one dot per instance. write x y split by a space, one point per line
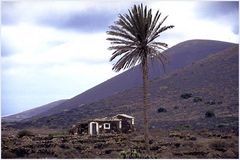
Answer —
133 39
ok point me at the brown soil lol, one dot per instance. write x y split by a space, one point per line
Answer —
163 144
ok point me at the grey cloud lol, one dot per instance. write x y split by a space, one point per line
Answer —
8 15
217 8
220 11
80 21
90 20
6 50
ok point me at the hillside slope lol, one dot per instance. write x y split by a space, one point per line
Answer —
180 55
213 79
32 112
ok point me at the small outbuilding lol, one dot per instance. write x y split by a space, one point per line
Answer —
120 123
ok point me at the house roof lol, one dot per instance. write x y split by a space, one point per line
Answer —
106 119
125 115
82 122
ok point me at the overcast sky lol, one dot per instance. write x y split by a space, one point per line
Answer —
52 50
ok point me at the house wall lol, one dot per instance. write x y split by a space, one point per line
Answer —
114 127
121 125
127 124
90 130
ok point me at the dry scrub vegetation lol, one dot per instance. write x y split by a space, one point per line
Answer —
163 144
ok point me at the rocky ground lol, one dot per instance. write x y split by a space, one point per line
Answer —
176 143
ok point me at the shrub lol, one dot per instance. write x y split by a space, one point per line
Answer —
8 155
177 145
219 145
100 145
21 151
183 127
50 136
130 154
151 141
211 102
192 138
220 102
22 133
108 151
161 110
209 114
197 99
186 95
176 107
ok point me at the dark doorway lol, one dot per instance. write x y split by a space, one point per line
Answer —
126 126
94 128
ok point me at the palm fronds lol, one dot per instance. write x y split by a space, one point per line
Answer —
133 36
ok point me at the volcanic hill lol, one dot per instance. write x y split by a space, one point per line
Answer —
32 112
206 71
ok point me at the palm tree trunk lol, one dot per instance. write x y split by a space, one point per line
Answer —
145 102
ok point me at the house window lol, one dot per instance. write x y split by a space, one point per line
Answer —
106 125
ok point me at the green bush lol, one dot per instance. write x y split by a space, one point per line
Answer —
130 154
22 133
